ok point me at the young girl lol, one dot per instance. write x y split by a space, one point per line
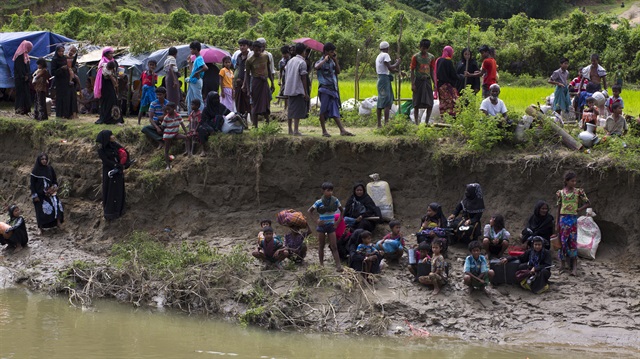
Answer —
369 252
496 237
172 123
590 113
226 84
41 86
148 80
16 236
195 118
438 276
568 200
392 245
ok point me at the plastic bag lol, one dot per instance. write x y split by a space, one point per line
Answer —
350 104
380 192
589 237
369 103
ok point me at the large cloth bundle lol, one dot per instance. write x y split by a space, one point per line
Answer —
588 237
292 218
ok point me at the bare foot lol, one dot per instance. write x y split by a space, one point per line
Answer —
346 133
298 133
168 168
339 269
436 291
326 134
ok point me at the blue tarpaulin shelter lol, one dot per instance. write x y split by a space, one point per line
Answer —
44 42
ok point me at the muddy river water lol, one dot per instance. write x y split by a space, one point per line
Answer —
39 326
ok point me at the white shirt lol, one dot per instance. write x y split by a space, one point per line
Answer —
493 110
381 68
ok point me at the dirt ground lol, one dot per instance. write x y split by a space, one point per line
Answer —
221 198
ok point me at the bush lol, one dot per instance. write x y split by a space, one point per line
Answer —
398 126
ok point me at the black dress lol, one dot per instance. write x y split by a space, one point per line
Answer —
210 80
541 261
473 81
108 100
21 72
48 207
113 194
362 206
64 91
18 232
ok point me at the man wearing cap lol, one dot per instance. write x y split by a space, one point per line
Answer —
489 70
422 70
492 105
385 93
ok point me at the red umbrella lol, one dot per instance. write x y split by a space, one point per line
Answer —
313 44
213 55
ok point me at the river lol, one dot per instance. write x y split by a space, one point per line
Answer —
34 325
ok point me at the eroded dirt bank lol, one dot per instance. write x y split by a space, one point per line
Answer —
220 199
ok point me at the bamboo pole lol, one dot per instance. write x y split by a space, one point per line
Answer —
399 81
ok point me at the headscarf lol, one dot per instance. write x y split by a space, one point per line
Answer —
447 54
104 138
97 86
24 49
537 221
213 107
473 201
439 216
40 170
11 209
365 200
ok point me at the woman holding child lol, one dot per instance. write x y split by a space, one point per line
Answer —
105 88
359 207
63 84
44 186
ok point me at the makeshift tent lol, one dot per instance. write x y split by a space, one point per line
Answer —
44 42
161 55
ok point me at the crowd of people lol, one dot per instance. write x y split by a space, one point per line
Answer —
349 232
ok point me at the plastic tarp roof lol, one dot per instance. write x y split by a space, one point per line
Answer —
161 55
44 42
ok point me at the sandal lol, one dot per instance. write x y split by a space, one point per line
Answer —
346 133
326 135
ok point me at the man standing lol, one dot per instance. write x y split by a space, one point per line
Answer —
489 70
241 97
595 74
328 67
295 88
422 70
385 92
257 67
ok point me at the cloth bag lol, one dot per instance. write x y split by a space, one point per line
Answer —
589 236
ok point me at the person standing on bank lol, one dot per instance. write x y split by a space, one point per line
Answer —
422 74
328 69
295 88
489 71
197 72
385 92
105 88
44 187
113 195
21 76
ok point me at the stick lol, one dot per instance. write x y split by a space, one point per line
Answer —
466 68
399 82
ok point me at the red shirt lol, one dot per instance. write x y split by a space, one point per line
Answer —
149 80
491 71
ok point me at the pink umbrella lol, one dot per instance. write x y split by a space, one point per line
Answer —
213 55
311 43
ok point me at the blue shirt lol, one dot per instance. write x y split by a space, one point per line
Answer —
328 217
157 109
197 64
474 266
327 74
366 249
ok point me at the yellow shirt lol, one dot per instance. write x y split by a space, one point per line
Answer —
227 77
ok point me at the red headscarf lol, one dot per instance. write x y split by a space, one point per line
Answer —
24 49
97 86
447 53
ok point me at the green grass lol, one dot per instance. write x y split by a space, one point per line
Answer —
598 7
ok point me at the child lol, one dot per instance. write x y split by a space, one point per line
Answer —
619 76
148 80
71 58
369 252
327 206
616 89
294 242
538 261
616 124
476 270
16 236
172 123
263 224
561 97
226 84
392 244
286 55
195 119
41 86
111 66
569 199
496 237
271 250
422 256
590 113
438 276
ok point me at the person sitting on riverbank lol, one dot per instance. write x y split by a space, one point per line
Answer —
590 113
370 254
540 224
326 207
537 261
264 223
271 250
492 105
432 226
438 276
16 236
422 256
496 237
392 245
615 98
471 208
172 123
477 274
154 129
359 207
294 242
616 125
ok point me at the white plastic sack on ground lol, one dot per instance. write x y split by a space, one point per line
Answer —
546 109
350 104
550 99
380 192
315 102
394 110
435 113
369 103
363 111
588 237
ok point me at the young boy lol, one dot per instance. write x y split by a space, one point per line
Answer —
270 250
616 89
392 244
156 115
286 55
263 224
195 119
172 123
326 207
590 113
226 84
148 79
476 270
489 70
257 68
438 276
561 97
41 86
369 252
616 124
422 74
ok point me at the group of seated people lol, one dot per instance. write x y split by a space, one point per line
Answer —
355 244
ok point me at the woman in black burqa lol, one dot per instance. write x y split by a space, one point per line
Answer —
44 187
359 207
66 100
468 228
111 153
541 223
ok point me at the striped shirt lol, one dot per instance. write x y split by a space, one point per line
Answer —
171 126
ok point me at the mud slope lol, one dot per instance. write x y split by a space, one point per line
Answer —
221 197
